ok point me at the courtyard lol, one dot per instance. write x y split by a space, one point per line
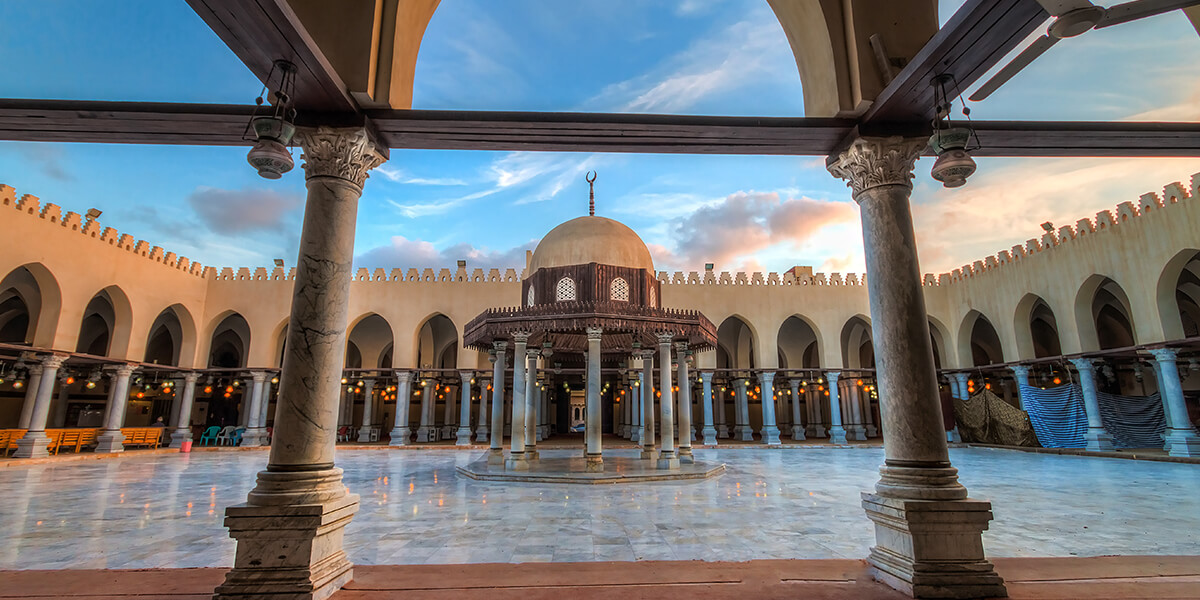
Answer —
166 510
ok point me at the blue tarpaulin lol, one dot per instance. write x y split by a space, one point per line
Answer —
1060 421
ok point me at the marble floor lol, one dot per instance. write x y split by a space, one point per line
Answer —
166 510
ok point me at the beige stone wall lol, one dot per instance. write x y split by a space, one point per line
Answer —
1141 245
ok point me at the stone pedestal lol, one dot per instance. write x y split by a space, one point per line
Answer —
495 457
932 549
595 463
288 552
427 434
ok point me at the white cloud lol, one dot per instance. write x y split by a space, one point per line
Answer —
404 253
242 210
400 176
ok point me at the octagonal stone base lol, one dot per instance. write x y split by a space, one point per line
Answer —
573 469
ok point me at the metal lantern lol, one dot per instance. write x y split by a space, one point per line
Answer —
273 132
954 164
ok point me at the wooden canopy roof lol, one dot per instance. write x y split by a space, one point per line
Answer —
563 326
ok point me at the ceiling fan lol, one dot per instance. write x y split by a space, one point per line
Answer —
1072 18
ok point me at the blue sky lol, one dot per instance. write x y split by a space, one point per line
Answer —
430 208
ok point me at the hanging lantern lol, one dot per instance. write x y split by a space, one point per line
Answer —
274 131
950 142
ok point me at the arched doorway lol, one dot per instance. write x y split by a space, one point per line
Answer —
29 304
437 356
229 350
95 332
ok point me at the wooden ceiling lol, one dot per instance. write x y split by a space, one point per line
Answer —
978 36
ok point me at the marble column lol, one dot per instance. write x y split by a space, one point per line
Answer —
741 428
928 533
516 460
649 450
1021 375
265 416
426 431
543 403
958 389
720 416
686 432
448 427
770 431
624 427
369 417
289 531
837 433
256 433
481 422
797 426
463 435
635 408
34 374
35 441
183 417
400 431
667 459
496 450
110 437
1180 435
816 404
594 407
856 429
1097 438
58 418
531 403
706 396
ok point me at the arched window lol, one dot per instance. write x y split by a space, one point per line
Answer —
653 296
529 298
565 290
619 290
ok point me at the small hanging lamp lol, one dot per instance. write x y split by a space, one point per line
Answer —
274 131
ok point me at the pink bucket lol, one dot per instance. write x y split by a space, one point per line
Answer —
186 446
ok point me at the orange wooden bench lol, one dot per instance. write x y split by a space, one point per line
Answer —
8 439
73 439
149 437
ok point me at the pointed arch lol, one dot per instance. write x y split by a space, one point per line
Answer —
41 295
858 347
938 336
1178 295
737 343
433 340
370 334
1036 328
1102 315
978 342
799 343
230 341
107 324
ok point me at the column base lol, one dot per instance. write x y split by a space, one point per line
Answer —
1098 440
516 461
837 435
364 434
667 461
462 436
531 453
743 433
856 433
253 438
873 431
288 552
1183 442
636 436
770 436
595 463
649 453
33 445
481 434
400 436
710 436
427 434
817 431
179 436
723 432
798 433
685 456
108 441
932 549
495 457
447 432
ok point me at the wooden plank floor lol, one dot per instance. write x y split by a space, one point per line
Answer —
1098 578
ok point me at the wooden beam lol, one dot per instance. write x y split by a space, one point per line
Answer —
123 122
260 32
975 38
223 125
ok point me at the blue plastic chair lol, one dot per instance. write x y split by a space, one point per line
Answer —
236 438
210 435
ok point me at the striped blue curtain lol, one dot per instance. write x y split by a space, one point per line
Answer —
1057 415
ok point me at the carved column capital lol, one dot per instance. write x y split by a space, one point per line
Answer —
521 337
500 346
832 377
594 333
872 162
345 153
404 377
1164 354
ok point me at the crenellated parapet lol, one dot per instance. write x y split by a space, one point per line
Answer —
757 278
30 207
1109 222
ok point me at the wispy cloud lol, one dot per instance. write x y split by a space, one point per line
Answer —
243 210
401 176
401 252
440 207
747 51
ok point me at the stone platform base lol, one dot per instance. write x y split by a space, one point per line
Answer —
573 469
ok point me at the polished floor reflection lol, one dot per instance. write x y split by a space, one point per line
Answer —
167 510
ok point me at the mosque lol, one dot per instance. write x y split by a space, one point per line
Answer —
587 424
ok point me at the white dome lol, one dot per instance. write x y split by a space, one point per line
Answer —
591 239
